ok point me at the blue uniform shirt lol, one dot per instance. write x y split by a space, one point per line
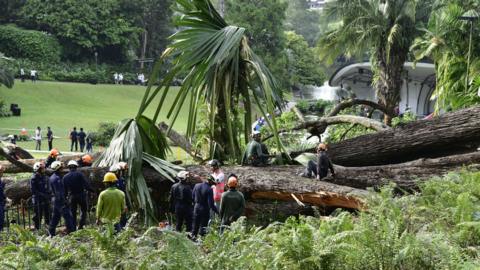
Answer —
76 183
2 193
39 186
202 195
58 189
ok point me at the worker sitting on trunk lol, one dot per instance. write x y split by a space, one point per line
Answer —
85 161
256 153
320 168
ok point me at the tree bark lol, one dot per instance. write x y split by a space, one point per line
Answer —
452 133
180 141
282 183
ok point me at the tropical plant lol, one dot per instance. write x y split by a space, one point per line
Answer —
385 29
6 77
221 71
443 41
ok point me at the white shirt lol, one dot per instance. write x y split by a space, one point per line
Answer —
38 135
120 76
22 72
33 72
115 76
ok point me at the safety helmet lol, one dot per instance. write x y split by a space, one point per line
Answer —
322 147
214 163
56 165
54 152
114 168
72 163
37 166
87 159
123 165
255 133
232 182
183 175
109 177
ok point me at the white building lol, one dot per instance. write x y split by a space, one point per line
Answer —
317 4
416 92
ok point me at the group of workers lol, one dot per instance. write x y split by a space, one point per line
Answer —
58 195
213 197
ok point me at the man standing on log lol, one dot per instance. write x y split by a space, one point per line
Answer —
181 201
40 195
60 204
233 203
320 168
256 153
76 187
203 197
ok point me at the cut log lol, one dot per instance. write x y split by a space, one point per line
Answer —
452 133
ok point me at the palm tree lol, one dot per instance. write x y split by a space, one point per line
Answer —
443 41
221 71
385 29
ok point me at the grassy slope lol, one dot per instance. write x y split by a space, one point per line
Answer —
64 105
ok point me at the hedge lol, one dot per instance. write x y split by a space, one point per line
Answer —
34 45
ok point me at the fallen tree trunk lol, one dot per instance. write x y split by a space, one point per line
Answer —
452 133
13 168
346 190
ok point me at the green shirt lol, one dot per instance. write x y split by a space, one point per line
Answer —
231 206
110 205
255 152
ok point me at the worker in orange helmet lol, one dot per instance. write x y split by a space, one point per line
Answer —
51 157
232 204
85 161
320 168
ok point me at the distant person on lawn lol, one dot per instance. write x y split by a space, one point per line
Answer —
38 138
115 78
81 139
89 142
120 78
50 138
33 75
22 74
74 139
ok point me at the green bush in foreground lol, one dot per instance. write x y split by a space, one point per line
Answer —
438 229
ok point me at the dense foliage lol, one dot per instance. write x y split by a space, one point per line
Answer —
437 229
304 67
303 21
446 40
34 45
263 22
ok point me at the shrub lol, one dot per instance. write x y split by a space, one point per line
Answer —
104 134
35 45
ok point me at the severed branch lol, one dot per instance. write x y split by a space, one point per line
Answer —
352 102
17 163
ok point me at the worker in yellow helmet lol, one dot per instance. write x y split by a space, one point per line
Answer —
111 202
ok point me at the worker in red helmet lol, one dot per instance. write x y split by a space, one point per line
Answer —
232 205
52 156
85 161
320 168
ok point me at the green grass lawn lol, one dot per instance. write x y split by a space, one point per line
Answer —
64 105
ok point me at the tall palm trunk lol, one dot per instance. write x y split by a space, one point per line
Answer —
389 83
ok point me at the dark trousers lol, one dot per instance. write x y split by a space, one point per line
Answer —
201 215
50 145
41 209
74 143
82 146
311 170
38 145
2 216
75 202
183 214
58 212
89 147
